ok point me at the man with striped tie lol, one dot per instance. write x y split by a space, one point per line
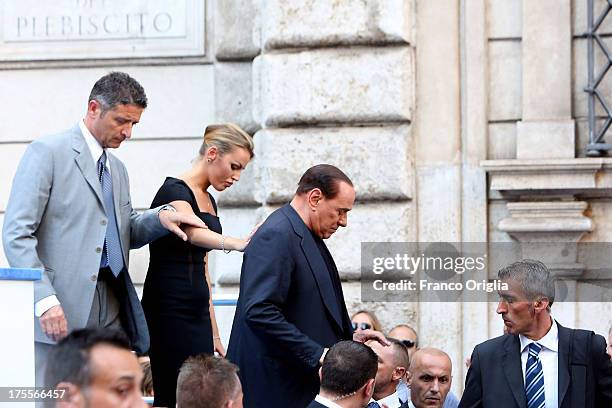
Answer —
538 363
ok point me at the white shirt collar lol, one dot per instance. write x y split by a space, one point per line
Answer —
392 401
550 341
94 146
328 403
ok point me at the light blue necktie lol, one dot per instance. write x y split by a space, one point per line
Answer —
111 256
534 378
373 404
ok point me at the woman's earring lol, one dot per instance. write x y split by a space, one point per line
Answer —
209 160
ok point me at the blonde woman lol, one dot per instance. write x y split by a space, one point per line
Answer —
176 299
364 320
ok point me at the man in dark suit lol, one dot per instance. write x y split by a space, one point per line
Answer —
347 376
291 306
538 362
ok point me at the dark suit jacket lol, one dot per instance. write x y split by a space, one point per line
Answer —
495 378
287 313
315 404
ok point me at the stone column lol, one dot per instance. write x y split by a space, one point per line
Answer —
438 156
335 84
474 219
236 44
547 129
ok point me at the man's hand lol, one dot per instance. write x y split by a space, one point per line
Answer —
365 335
54 323
172 221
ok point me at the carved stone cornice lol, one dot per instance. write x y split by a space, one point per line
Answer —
546 217
582 177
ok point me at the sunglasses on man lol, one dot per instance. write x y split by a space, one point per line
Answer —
361 326
408 343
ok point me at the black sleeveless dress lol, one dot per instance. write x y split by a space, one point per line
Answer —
175 297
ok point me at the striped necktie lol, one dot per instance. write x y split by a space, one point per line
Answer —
534 378
111 256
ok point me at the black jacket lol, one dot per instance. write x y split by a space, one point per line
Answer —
287 313
495 377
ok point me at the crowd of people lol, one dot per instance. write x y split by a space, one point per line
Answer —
292 342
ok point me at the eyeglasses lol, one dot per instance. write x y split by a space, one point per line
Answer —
361 326
408 343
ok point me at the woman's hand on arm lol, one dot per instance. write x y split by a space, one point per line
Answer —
242 244
219 346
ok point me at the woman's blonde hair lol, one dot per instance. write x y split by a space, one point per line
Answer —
225 137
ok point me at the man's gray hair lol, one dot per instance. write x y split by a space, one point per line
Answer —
534 278
118 88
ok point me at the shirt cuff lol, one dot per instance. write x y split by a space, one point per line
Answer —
45 304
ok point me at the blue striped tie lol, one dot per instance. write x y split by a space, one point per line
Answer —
111 256
534 378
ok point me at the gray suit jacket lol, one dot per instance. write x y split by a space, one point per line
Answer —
55 220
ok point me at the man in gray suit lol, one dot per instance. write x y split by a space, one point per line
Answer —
70 213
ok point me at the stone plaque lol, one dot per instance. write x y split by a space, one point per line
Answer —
96 29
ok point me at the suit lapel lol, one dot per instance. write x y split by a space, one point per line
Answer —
85 164
564 376
511 362
316 263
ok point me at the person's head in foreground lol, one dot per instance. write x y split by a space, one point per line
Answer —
208 379
525 305
323 199
393 363
348 374
95 368
430 378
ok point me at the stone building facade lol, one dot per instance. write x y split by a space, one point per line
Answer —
458 121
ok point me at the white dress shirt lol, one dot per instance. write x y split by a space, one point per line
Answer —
549 356
96 150
391 401
324 401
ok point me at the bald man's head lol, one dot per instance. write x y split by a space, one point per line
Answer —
430 377
407 335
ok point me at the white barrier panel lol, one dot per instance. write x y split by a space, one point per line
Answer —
17 339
